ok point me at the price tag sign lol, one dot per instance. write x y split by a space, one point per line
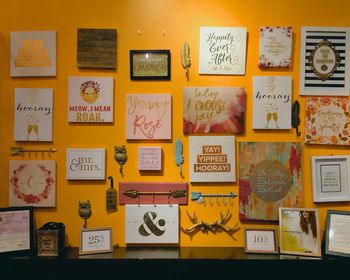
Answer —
261 241
93 241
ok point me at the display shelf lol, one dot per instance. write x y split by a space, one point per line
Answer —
169 263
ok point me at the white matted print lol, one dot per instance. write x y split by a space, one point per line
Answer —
148 116
90 99
324 61
149 157
275 46
330 178
272 99
33 114
222 50
157 224
32 183
86 164
212 159
33 53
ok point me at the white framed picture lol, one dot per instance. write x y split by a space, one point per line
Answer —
86 164
272 102
330 178
32 183
222 50
91 99
33 53
33 114
158 224
212 159
324 61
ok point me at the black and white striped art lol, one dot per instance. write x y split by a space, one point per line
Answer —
324 61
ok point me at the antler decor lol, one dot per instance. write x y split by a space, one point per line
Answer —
214 227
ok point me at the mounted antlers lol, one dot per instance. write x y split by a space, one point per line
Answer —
213 227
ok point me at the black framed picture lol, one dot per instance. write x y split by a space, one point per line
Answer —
16 231
150 64
337 233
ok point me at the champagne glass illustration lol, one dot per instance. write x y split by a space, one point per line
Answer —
268 118
275 118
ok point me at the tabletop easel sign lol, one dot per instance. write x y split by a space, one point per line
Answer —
95 240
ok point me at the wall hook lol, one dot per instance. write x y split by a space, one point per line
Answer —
295 116
20 150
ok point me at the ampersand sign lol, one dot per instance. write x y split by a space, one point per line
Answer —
150 226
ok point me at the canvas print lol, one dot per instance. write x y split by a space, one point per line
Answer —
33 53
327 121
275 47
32 183
91 99
222 50
324 61
148 116
272 102
86 164
158 224
269 178
212 159
96 48
33 114
213 110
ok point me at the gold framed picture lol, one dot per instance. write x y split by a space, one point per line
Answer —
262 241
47 241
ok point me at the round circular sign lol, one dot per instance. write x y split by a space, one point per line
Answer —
270 180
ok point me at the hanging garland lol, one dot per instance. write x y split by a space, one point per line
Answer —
31 198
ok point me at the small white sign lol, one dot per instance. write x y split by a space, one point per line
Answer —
86 164
152 224
150 158
98 240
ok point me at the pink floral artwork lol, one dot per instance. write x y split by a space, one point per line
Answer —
32 183
327 121
275 47
213 110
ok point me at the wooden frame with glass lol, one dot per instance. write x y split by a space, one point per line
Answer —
262 241
299 231
95 240
337 233
150 64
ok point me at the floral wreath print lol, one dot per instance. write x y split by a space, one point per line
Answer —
90 91
31 198
266 62
342 137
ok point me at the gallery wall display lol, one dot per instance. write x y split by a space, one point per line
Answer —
33 114
91 99
33 53
269 178
330 178
32 183
337 233
324 61
16 231
86 164
149 158
153 193
96 48
150 65
212 158
148 116
299 231
275 48
272 102
152 224
222 50
327 121
213 110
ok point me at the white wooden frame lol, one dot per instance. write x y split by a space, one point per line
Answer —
330 178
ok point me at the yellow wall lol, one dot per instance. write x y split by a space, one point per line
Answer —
163 24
